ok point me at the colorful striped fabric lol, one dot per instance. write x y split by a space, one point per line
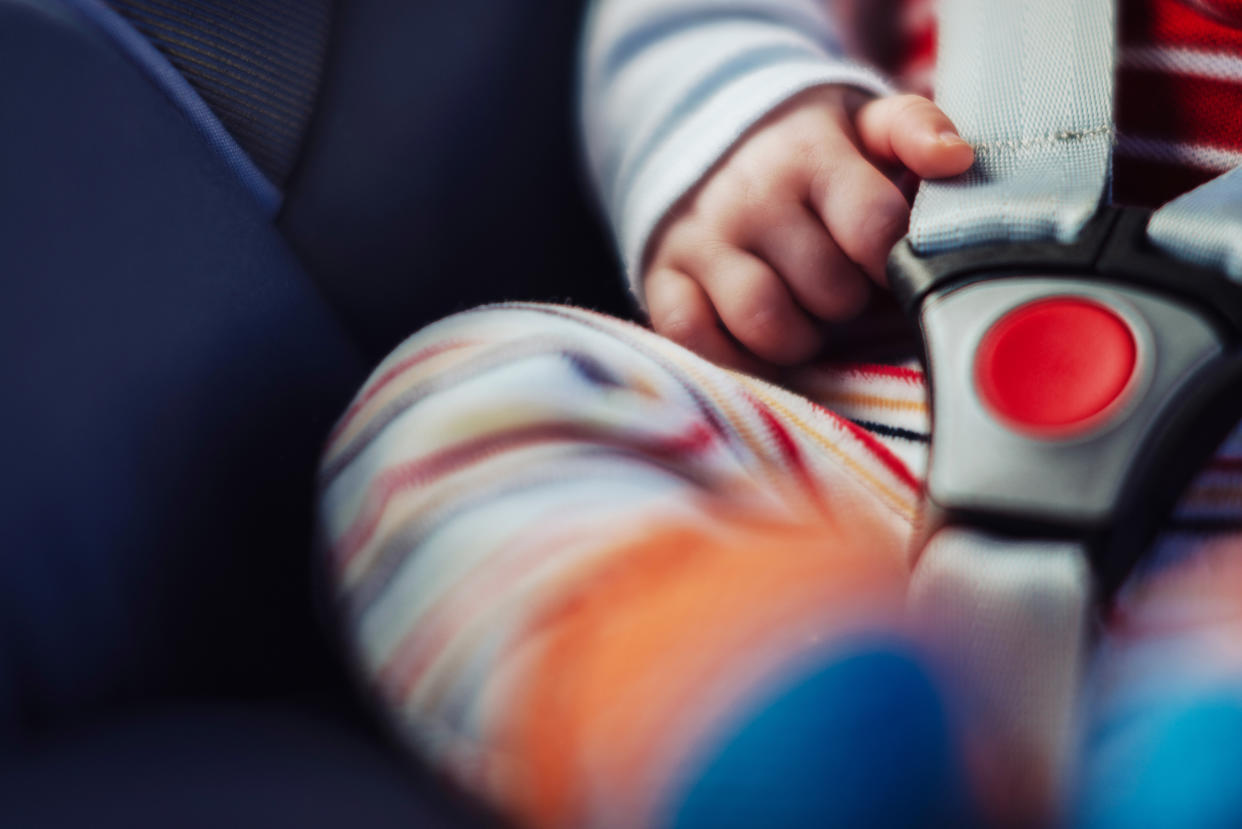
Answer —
564 549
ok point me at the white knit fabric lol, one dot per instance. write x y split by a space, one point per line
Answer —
1029 85
668 86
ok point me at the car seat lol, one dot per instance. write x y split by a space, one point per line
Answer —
215 216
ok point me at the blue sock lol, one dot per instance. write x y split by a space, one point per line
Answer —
1172 764
862 740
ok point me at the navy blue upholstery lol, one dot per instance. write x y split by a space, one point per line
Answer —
220 766
255 63
169 374
440 171
171 362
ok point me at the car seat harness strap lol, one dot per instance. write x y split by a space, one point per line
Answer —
1084 360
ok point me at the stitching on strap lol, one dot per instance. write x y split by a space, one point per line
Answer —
1049 138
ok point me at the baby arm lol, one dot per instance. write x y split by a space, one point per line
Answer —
792 227
746 164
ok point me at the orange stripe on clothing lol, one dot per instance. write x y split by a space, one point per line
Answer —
874 401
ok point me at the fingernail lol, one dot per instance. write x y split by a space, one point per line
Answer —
952 139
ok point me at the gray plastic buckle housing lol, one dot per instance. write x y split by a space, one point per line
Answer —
1109 486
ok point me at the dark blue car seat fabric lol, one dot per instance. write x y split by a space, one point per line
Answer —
160 71
170 368
168 375
216 766
440 170
256 64
425 151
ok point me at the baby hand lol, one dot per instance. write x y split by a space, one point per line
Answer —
785 232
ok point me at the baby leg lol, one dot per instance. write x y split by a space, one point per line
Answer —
599 581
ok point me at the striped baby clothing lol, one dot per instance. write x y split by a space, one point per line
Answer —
565 549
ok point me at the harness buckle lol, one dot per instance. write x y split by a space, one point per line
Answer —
1076 389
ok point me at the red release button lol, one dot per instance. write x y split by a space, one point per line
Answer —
1054 365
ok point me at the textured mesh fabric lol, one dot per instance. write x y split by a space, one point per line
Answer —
256 63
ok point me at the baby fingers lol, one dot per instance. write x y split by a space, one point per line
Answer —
680 310
913 131
820 276
863 210
758 309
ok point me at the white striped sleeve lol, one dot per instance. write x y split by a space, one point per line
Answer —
668 86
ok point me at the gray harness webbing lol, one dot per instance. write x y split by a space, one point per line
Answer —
1030 85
